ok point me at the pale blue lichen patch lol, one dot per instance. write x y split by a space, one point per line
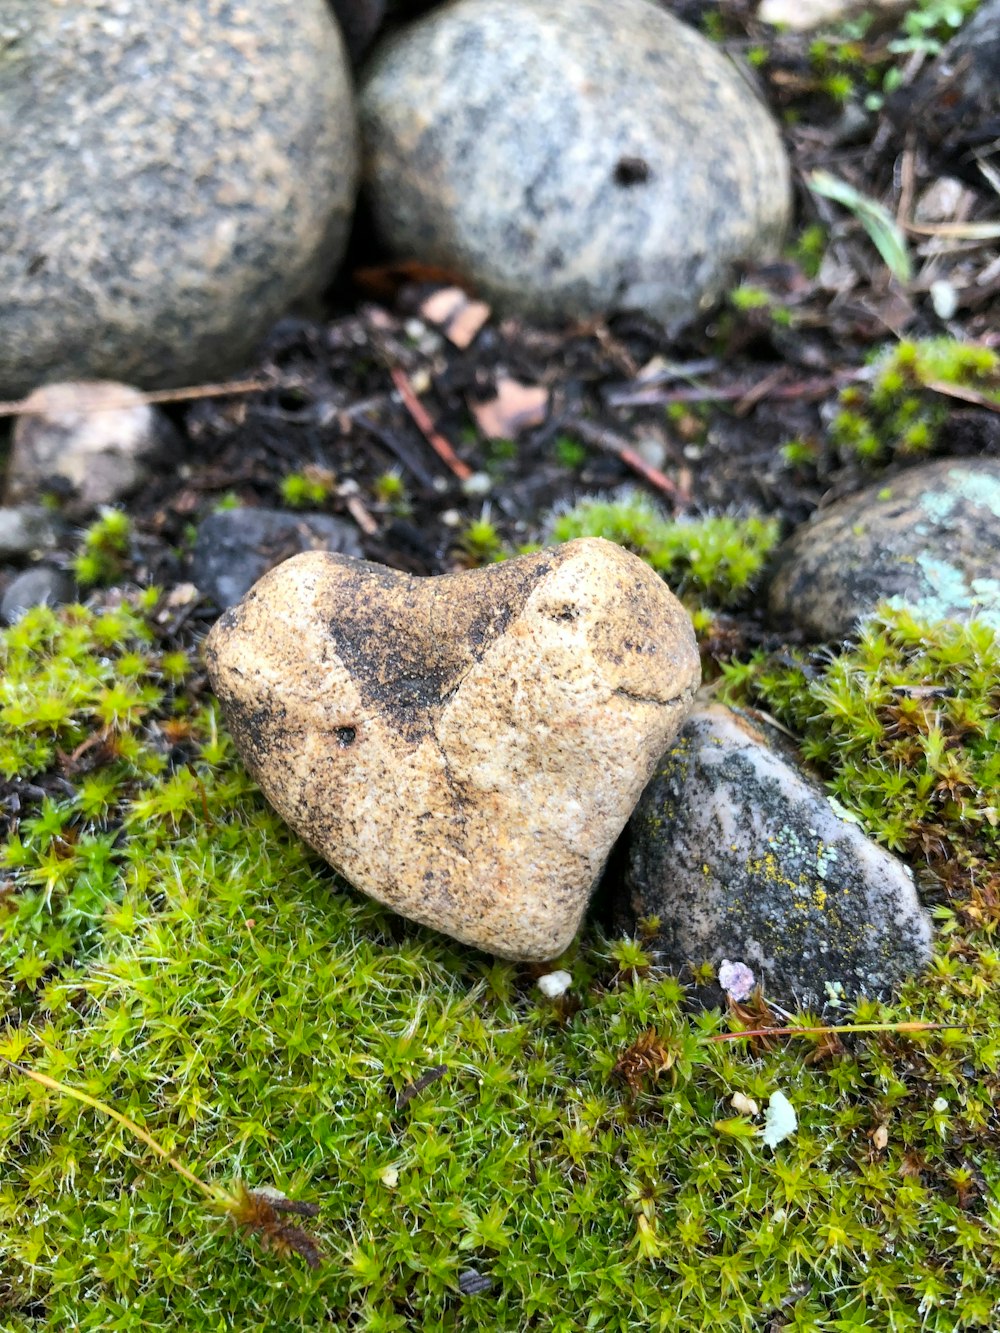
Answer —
947 594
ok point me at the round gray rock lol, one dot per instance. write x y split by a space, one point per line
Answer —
39 586
570 157
236 547
173 177
741 856
925 541
27 529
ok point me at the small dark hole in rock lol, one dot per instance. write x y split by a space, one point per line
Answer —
567 613
631 171
345 736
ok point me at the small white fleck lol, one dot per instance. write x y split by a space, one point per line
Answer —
780 1121
944 299
744 1105
389 1177
554 984
479 484
940 1106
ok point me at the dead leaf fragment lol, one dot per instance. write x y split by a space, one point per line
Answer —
458 317
880 1138
516 408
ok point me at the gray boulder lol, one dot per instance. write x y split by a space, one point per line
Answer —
173 177
570 157
925 541
742 857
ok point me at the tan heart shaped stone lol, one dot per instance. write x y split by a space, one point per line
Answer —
467 748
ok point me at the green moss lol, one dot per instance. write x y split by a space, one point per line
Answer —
197 968
103 550
479 542
718 558
306 489
390 491
898 411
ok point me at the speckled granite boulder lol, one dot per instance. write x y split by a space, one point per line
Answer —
925 541
173 176
743 858
91 442
465 749
571 157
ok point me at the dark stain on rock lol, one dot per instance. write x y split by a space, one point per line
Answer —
407 647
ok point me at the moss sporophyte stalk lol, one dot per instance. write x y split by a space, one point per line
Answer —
169 950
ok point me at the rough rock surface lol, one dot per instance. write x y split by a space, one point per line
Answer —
236 547
92 442
465 749
743 857
925 541
173 177
27 529
571 157
39 586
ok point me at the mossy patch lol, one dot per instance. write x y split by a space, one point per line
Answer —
901 409
191 963
718 557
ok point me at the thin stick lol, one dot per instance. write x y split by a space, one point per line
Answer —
966 395
825 1031
423 421
621 448
212 1192
23 407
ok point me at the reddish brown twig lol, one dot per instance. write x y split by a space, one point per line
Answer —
614 444
422 420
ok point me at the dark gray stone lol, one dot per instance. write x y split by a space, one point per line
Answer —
236 547
925 541
174 176
571 157
742 856
25 529
40 586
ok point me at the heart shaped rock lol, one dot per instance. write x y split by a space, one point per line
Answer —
467 748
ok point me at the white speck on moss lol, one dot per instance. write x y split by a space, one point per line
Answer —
554 984
780 1120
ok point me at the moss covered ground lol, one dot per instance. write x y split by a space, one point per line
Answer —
481 1157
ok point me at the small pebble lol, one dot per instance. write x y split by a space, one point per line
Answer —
40 586
554 984
26 530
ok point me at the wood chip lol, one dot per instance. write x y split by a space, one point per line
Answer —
516 408
458 317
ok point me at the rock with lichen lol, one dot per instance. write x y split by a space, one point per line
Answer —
465 749
925 541
572 158
741 857
173 177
